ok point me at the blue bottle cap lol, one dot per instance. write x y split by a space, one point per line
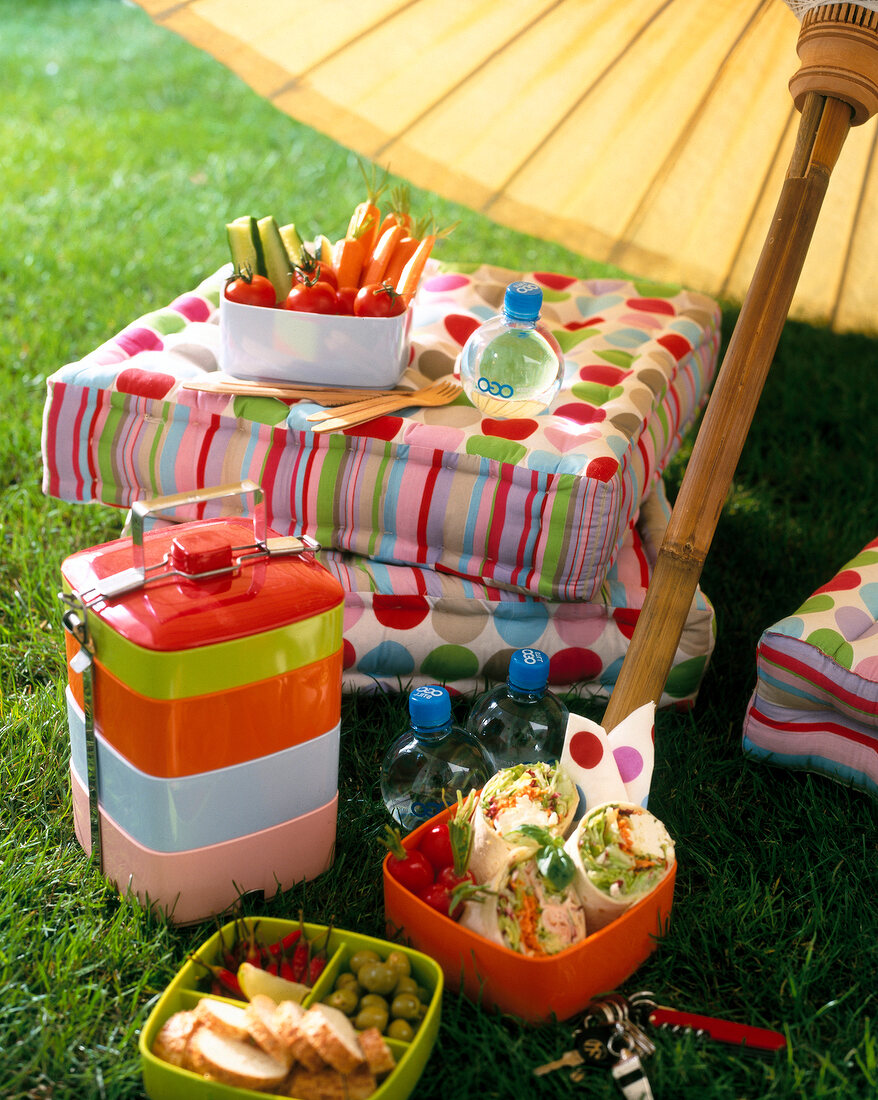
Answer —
430 706
529 670
523 301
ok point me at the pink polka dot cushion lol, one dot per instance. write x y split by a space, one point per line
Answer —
815 705
405 626
541 505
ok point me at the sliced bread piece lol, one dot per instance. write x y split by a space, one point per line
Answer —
264 1030
172 1042
329 1084
378 1055
333 1037
223 1018
233 1062
288 1018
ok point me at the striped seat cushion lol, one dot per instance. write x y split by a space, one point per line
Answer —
815 705
539 506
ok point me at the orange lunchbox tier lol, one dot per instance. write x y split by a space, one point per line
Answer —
180 736
194 885
535 990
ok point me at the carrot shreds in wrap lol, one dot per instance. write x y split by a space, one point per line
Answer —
531 905
621 852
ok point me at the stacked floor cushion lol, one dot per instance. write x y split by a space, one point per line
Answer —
407 626
815 706
513 516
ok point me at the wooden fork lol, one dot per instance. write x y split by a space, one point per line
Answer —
346 416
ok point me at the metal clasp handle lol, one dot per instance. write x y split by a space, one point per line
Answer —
140 509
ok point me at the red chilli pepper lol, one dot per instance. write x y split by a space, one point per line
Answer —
318 961
281 947
301 953
227 981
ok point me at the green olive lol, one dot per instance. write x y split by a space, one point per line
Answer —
406 985
371 1016
423 995
400 963
344 999
347 980
360 957
405 1006
374 999
400 1029
377 977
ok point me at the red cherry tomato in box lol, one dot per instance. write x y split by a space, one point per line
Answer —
250 290
378 300
317 297
346 296
449 878
436 846
438 897
408 866
316 271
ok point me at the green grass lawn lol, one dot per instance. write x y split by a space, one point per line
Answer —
125 152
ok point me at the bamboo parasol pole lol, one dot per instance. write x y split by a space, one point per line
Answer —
837 43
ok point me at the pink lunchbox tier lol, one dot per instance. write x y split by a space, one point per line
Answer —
195 885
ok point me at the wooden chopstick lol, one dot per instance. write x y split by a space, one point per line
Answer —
322 395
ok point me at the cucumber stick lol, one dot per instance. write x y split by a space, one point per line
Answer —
245 245
293 243
278 266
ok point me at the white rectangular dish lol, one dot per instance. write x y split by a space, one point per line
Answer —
279 345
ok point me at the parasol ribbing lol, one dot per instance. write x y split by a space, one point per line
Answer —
835 87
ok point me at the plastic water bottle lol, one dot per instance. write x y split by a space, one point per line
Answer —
521 721
427 765
512 366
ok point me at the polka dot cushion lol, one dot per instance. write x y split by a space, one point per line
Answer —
405 626
815 705
539 506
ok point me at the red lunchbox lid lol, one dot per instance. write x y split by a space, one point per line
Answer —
215 586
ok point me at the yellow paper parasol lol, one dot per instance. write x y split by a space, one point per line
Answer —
606 89
651 134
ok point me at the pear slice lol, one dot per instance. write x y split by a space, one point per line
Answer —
254 980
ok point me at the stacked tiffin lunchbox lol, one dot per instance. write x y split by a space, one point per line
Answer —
204 706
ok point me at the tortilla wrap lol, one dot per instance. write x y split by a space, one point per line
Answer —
525 913
534 794
621 852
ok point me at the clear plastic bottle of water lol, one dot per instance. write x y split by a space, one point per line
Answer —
512 366
427 765
521 721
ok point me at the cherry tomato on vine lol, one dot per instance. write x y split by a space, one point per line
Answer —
316 271
316 297
436 845
346 296
248 289
378 300
408 866
438 897
450 878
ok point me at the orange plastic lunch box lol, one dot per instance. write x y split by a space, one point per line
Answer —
535 990
204 706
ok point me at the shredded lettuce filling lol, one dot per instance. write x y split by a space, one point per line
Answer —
612 862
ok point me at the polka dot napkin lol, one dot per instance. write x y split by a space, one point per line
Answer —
611 767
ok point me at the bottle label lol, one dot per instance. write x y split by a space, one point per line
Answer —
495 389
425 810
